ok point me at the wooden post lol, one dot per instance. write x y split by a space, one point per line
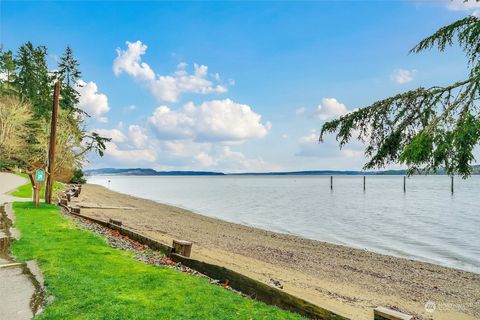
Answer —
4 244
404 184
36 191
451 184
364 183
182 247
51 151
331 182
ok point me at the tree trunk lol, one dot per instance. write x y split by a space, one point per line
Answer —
36 190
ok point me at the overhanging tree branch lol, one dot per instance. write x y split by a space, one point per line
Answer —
423 128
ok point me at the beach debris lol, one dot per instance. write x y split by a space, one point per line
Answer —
275 283
381 313
225 283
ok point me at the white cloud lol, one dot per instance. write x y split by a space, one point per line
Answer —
460 5
205 160
239 162
300 110
114 134
165 87
129 155
309 138
137 136
309 146
177 148
330 108
129 61
229 160
285 136
91 101
401 76
215 120
169 87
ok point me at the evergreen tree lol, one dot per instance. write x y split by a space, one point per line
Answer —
426 128
69 74
7 67
33 80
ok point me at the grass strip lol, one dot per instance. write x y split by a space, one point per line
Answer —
25 191
90 280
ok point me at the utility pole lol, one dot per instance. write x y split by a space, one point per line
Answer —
51 150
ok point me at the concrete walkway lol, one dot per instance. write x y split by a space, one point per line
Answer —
10 182
16 286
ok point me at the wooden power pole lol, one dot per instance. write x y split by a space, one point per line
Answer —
51 150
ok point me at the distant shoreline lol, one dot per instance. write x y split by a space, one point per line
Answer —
152 172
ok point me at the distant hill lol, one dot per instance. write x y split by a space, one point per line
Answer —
151 172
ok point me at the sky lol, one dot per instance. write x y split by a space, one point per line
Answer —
236 86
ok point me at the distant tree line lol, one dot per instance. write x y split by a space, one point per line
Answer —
26 99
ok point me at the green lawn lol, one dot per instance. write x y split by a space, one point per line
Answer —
90 280
25 191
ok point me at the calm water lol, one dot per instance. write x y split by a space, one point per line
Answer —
426 223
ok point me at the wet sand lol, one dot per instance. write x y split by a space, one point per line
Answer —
348 281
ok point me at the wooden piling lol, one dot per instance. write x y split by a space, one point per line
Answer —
451 184
364 183
4 244
404 184
331 182
182 247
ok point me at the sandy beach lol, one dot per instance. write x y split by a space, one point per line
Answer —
348 281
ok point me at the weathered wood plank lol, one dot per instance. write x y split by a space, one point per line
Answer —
382 313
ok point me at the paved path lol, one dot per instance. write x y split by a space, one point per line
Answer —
16 288
9 182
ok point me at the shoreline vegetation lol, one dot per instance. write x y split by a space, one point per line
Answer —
348 281
88 279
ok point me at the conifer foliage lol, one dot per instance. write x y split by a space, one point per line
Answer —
425 128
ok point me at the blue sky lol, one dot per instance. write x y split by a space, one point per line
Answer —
235 86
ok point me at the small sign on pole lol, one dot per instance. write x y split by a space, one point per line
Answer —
40 175
39 180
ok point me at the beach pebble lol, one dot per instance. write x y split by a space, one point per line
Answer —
275 283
